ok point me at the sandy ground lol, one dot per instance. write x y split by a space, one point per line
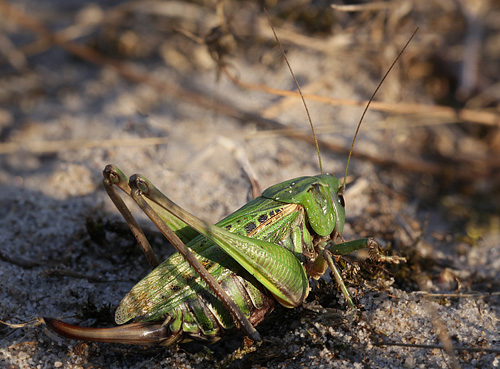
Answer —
62 119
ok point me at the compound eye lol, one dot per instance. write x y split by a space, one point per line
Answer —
342 201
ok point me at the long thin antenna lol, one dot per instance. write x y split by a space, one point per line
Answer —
300 91
369 102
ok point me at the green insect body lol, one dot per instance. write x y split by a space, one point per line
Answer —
297 217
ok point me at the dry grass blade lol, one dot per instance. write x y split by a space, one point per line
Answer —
445 113
440 347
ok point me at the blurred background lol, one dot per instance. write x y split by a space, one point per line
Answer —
196 96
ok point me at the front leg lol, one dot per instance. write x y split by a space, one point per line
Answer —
369 243
344 248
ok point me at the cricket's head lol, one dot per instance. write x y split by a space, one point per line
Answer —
321 197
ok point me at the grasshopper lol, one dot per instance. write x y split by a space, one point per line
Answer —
229 275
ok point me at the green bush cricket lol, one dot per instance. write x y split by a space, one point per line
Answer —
231 274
